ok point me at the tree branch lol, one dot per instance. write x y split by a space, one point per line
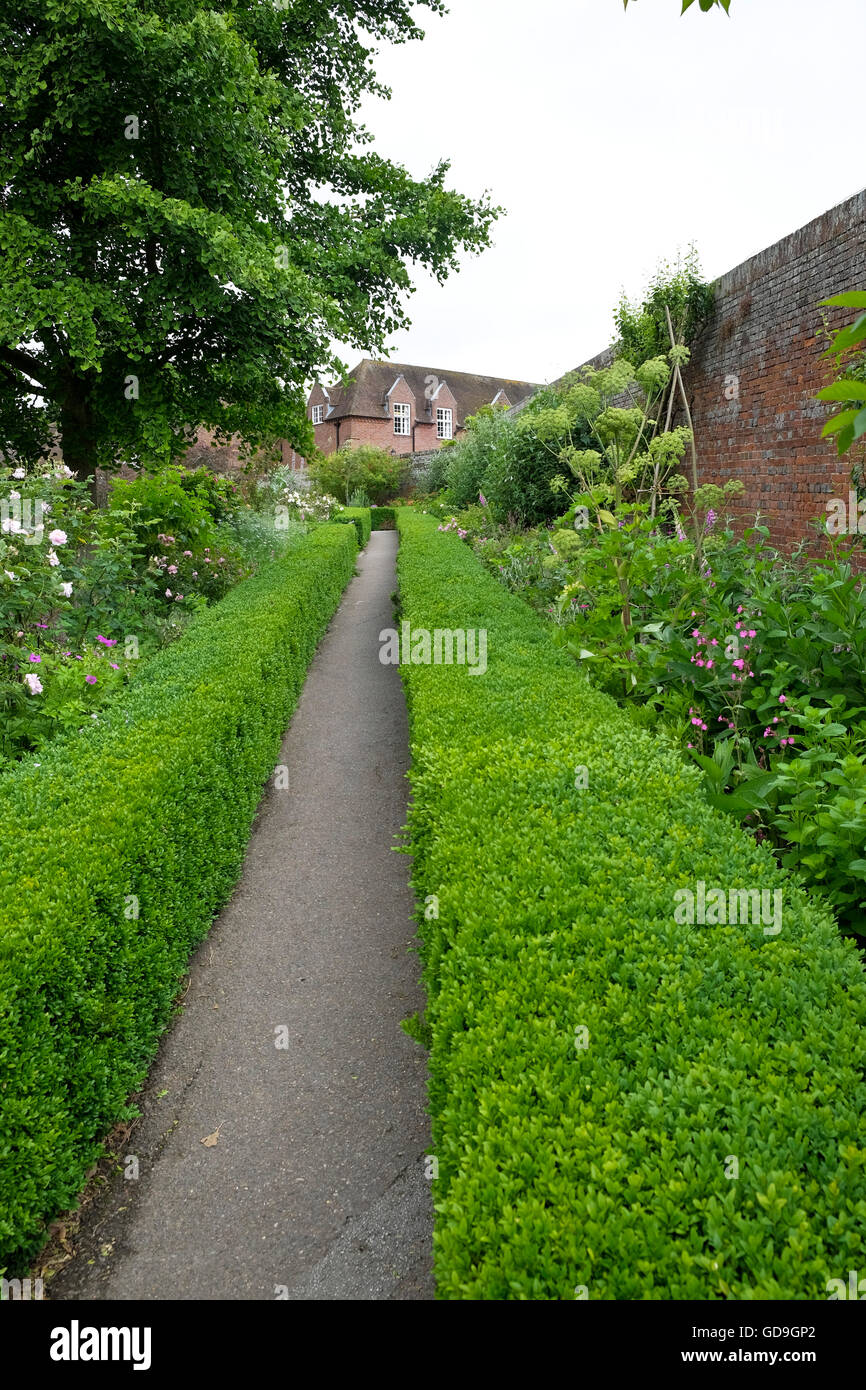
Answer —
24 363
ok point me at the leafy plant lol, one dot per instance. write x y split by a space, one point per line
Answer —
848 425
353 467
594 1060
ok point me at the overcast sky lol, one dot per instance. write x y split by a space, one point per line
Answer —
613 140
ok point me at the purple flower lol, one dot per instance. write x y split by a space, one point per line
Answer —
34 657
91 680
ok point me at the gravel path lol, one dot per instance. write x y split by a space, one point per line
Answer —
315 1186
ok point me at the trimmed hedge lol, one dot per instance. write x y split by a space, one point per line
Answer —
154 803
384 518
604 1160
359 517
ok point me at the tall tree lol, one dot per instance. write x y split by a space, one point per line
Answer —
191 212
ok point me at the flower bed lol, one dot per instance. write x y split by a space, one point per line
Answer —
117 852
625 1105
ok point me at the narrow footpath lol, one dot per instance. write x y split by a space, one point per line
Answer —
314 1187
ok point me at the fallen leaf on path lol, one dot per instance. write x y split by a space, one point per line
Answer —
211 1139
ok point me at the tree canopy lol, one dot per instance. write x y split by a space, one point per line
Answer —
191 213
706 5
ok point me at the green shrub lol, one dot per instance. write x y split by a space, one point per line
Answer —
359 517
501 459
355 466
119 846
383 518
604 1159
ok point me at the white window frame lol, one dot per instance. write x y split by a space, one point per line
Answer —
444 422
402 418
318 414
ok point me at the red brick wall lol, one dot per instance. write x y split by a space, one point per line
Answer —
361 430
756 368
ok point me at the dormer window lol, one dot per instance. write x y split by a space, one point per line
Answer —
444 423
401 419
318 414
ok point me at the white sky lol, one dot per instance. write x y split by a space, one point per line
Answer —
613 140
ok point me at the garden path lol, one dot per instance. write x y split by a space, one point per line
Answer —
315 1185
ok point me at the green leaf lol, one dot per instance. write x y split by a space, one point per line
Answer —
852 299
848 389
839 422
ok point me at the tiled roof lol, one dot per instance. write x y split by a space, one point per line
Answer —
364 391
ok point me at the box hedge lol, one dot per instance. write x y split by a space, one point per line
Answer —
384 518
623 1107
360 518
119 846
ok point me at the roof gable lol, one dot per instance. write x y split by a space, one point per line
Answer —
369 386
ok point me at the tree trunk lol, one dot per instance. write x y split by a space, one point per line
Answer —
77 435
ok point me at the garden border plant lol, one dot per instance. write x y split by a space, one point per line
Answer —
119 847
361 519
623 1107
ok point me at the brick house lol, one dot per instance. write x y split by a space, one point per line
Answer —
404 409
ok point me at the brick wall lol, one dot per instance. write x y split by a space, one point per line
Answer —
756 368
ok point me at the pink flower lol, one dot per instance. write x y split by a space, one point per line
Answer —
34 684
91 680
52 559
188 554
34 657
57 537
172 569
106 641
114 666
66 590
783 699
168 593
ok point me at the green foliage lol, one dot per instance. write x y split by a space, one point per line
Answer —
849 425
119 848
604 1164
681 288
353 466
191 215
752 660
383 518
361 519
503 459
706 5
